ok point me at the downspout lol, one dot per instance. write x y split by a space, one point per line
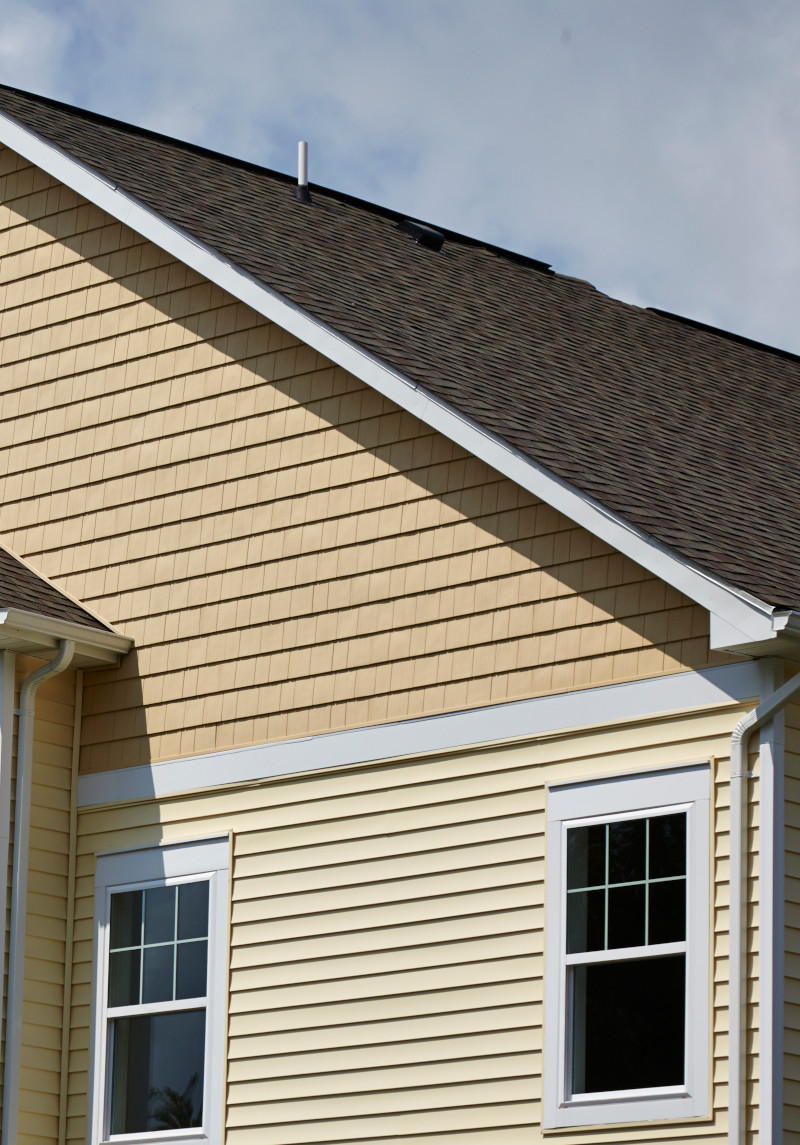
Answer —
19 888
736 1022
66 1009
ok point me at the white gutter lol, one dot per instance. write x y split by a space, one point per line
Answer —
766 710
19 889
39 636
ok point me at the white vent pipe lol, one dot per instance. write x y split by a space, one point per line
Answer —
302 164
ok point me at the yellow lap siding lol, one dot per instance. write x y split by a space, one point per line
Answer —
290 551
387 933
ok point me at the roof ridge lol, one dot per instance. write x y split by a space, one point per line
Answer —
289 180
721 333
627 423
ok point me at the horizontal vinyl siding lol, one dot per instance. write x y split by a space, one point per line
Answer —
290 551
386 967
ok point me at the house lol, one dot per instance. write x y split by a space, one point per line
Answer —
398 649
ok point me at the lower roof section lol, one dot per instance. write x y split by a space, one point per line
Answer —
37 635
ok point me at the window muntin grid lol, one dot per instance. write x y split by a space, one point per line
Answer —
158 949
626 883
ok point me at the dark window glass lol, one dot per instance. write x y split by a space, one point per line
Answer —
191 979
585 921
586 856
159 915
626 851
126 919
193 910
667 911
626 916
123 978
157 1072
157 975
628 1024
668 845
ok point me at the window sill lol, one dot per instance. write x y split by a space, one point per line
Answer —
622 1109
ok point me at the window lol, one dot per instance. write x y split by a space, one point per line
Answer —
161 917
627 963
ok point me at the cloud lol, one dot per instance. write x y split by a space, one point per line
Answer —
653 149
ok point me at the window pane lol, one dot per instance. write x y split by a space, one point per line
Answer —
585 921
157 976
159 915
126 919
626 851
157 1072
193 910
586 856
628 1024
668 845
667 911
123 978
191 982
625 916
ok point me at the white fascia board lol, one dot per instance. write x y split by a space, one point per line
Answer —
745 613
41 635
514 721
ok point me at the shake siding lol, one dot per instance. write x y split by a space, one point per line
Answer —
386 975
40 1061
291 552
791 1059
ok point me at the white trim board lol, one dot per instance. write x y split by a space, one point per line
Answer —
517 719
741 618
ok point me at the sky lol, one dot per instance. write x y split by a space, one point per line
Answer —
651 147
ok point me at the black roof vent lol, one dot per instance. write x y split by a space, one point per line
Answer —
425 236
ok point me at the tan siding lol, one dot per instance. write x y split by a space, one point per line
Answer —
290 551
386 962
43 997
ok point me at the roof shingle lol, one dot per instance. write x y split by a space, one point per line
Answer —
690 435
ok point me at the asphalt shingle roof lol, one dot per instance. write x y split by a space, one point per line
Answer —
21 587
690 435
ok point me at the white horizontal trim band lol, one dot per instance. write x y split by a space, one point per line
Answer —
517 719
746 617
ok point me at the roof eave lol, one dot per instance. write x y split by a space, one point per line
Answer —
37 635
740 621
780 637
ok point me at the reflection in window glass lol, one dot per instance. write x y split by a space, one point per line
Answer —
158 953
157 976
126 919
123 978
193 910
159 914
158 944
628 1024
191 970
626 883
157 1072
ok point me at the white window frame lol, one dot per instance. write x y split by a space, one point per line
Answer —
685 788
141 869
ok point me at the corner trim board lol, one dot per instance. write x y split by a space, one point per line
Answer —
516 719
739 610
